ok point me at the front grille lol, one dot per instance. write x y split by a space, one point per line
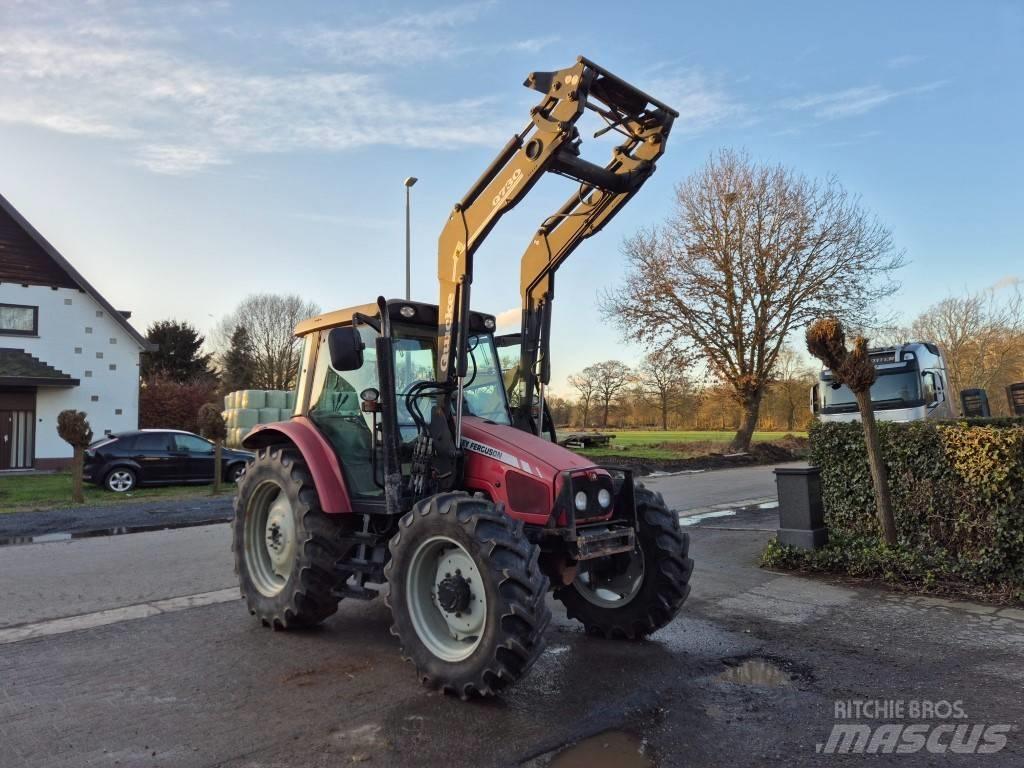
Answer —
526 495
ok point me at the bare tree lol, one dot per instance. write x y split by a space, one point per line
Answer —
981 336
826 340
610 378
663 377
586 384
792 380
751 253
270 321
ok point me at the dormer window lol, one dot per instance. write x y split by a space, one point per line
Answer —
19 320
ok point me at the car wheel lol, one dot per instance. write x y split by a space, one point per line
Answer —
235 472
120 480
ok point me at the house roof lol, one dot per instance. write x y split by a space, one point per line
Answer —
20 369
27 257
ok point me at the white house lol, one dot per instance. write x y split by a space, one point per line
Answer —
62 345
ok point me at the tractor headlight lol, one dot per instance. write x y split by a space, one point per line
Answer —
604 498
580 501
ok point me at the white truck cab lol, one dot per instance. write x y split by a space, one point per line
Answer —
912 384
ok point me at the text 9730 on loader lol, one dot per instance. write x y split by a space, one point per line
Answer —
406 470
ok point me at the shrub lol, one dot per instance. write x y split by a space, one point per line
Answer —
958 498
166 404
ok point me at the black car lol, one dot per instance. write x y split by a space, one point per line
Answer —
157 457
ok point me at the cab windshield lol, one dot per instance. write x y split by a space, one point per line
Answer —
484 391
900 389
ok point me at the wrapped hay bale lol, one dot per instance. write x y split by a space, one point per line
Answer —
289 400
247 418
251 399
269 415
276 399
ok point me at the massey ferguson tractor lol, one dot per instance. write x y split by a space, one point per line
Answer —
406 471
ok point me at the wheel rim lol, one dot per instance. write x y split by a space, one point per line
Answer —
446 599
270 539
236 474
120 480
600 583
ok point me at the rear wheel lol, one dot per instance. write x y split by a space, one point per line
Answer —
285 546
466 594
633 594
120 480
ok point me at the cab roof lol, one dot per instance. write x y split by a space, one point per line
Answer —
399 310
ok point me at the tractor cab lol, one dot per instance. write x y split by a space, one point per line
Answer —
340 389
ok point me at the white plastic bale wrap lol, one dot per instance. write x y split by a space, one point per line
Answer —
277 399
289 400
251 399
269 415
247 418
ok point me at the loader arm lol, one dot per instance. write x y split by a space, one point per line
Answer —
549 143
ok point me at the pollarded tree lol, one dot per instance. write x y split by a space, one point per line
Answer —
212 427
826 340
73 428
751 253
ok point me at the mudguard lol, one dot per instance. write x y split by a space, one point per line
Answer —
316 452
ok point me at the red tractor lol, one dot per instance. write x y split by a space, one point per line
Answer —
408 469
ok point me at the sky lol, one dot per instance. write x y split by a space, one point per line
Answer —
183 155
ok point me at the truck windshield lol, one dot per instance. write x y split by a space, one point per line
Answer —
484 393
899 389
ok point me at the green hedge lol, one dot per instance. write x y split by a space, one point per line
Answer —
958 498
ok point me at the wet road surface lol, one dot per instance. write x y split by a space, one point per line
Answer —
748 675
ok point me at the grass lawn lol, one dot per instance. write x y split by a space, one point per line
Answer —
19 493
655 444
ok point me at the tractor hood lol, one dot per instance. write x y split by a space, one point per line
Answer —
516 448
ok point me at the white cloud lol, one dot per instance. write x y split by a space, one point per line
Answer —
1008 281
182 114
904 60
508 320
701 101
854 101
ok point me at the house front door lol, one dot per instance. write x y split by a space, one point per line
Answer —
16 433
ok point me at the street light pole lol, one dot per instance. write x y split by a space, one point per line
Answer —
408 250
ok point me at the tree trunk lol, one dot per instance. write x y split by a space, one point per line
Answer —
748 423
879 474
217 473
77 495
604 421
586 412
664 414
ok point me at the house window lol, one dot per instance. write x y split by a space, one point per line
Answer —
118 411
19 320
95 398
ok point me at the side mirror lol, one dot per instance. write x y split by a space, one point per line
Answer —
933 394
346 348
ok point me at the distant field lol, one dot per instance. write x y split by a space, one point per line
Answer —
654 444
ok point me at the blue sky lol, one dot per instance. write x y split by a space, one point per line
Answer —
183 154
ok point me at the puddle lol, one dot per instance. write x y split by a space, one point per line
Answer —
45 538
755 672
768 505
694 519
611 749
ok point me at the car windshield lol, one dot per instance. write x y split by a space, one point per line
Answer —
484 393
890 390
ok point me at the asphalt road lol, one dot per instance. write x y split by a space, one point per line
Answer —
179 685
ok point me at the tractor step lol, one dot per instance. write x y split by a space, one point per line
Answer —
355 592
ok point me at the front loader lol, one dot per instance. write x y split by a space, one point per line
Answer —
405 470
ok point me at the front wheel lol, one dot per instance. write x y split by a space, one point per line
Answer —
633 594
285 546
466 594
